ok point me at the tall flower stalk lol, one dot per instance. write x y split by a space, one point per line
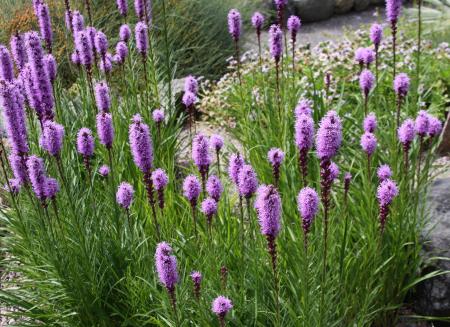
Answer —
258 22
221 306
366 81
406 134
216 143
276 51
401 88
234 28
393 10
293 25
304 137
386 192
191 191
376 34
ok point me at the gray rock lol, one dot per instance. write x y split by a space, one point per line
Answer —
444 147
343 6
361 4
313 10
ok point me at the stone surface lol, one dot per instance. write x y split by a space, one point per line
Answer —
313 10
361 4
343 6
444 147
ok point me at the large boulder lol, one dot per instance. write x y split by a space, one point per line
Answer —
312 10
343 6
361 4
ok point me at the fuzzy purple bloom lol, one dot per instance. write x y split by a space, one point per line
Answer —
216 142
275 156
122 51
166 266
234 24
214 187
143 10
51 188
386 192
51 66
334 171
104 171
124 195
200 153
384 172
368 143
434 127
401 85
19 167
14 185
370 123
191 84
6 65
308 204
77 21
122 7
101 43
360 55
52 137
45 25
268 208
209 208
407 132
303 107
235 165
221 306
276 42
191 189
158 116
376 34
106 63
366 80
196 277
393 9
84 47
102 97
329 136
105 129
18 50
141 144
124 33
422 123
85 142
36 173
141 35
247 181
189 99
304 132
92 32
280 3
293 25
258 21
160 179
369 56
75 58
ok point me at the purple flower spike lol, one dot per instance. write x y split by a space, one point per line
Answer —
293 25
84 48
401 85
234 24
329 136
201 155
19 167
45 25
160 181
304 132
122 7
18 50
366 80
268 208
6 65
36 173
216 142
191 189
141 35
368 143
393 10
85 142
104 171
214 187
258 22
196 277
191 84
234 167
370 123
308 204
276 157
422 123
166 266
75 58
247 181
122 51
386 192
105 129
51 188
124 33
141 144
359 56
384 172
334 171
13 186
376 34
106 63
189 99
221 306
51 66
276 42
124 195
303 107
101 43
158 116
434 127
102 97
280 3
209 209
77 21
143 10
52 138
369 57
407 132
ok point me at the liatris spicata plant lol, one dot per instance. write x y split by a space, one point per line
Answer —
52 67
189 99
376 35
384 172
293 25
37 176
18 51
166 266
196 278
258 22
106 63
308 204
143 10
280 4
121 52
422 124
191 84
13 186
85 146
84 47
236 162
268 208
124 195
434 127
334 172
6 65
327 82
191 191
101 44
221 306
369 145
52 138
386 192
234 28
275 157
401 88
393 9
102 96
368 58
51 188
77 22
158 118
45 25
304 139
276 50
247 181
370 123
124 33
19 167
303 107
214 187
216 143
160 181
105 129
209 209
359 58
104 171
406 133
201 156
122 7
366 81
142 44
